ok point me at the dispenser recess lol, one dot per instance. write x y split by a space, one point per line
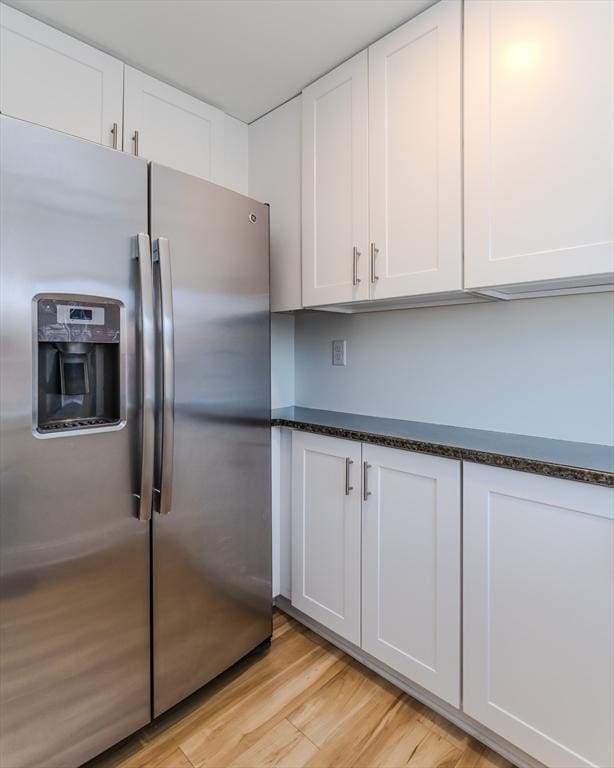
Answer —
78 363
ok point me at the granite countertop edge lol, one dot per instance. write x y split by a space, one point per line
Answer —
491 458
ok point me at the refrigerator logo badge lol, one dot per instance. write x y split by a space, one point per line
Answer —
253 218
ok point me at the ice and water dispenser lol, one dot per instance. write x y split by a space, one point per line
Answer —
78 362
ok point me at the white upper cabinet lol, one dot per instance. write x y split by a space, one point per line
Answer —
539 141
411 546
415 155
382 168
538 613
169 127
49 78
275 178
326 531
335 185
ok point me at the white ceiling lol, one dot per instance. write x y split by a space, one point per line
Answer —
243 56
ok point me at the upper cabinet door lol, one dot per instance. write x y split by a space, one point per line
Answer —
326 531
49 78
538 613
539 140
335 185
411 574
415 155
172 128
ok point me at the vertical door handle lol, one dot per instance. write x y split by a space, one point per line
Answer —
365 480
355 257
114 136
135 141
162 256
148 375
374 252
348 487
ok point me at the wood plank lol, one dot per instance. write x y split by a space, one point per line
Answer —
396 737
176 759
303 704
435 752
335 703
449 731
282 625
195 715
166 756
344 744
236 727
471 756
283 746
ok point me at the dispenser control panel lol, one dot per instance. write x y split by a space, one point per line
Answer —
72 320
68 313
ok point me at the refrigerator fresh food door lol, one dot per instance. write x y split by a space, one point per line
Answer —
74 558
212 533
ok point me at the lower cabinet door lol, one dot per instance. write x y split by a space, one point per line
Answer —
538 614
326 531
411 546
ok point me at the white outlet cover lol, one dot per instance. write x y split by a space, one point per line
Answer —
339 351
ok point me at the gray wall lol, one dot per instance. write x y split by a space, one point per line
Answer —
537 367
282 360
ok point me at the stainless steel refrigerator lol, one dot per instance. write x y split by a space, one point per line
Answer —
135 441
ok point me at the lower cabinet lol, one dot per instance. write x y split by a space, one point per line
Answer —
411 524
399 513
326 531
376 558
538 613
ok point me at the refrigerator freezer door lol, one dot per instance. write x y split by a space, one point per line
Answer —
212 551
74 558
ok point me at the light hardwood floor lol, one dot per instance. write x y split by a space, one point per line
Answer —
304 703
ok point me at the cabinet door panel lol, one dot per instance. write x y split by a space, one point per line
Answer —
335 185
49 78
411 567
174 129
326 532
539 613
539 140
415 154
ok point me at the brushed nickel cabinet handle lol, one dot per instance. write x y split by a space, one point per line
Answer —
365 480
355 256
114 136
374 252
348 487
135 140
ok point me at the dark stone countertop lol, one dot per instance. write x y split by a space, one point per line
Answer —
569 460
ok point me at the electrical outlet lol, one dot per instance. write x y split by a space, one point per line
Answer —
339 348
